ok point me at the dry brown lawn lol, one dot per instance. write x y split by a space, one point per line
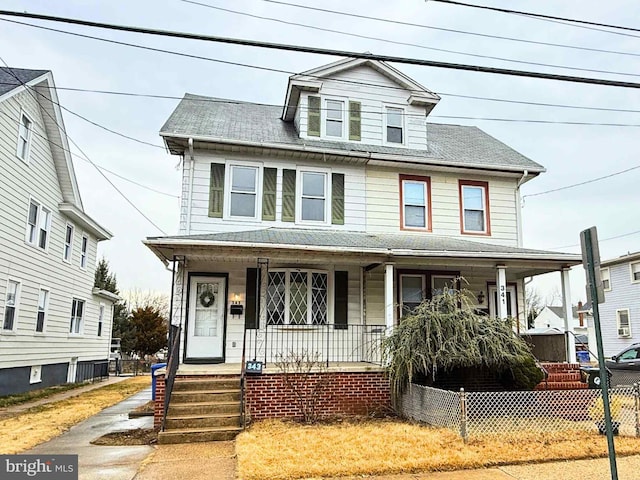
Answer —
282 450
39 424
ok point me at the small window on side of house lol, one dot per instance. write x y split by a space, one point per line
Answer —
635 272
624 322
100 318
605 276
11 306
43 304
24 138
83 251
77 314
68 243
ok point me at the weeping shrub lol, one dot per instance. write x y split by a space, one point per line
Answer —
447 333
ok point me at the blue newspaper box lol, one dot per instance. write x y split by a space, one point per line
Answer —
154 367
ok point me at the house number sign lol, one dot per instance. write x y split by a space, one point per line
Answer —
253 367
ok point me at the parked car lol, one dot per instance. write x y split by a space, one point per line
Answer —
627 359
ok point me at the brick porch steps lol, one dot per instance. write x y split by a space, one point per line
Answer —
203 409
562 376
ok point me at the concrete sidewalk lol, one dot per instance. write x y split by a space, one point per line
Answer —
104 462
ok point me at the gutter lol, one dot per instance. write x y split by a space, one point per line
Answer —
106 295
192 165
525 174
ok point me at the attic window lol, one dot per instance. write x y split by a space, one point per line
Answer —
395 127
334 118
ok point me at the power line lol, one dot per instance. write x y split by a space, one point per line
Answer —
394 42
547 122
450 30
541 16
628 234
30 91
326 51
582 183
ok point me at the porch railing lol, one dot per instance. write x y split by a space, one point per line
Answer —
172 368
328 343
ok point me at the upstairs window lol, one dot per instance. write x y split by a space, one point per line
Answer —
11 306
38 225
43 303
334 118
100 319
68 243
244 191
313 196
83 251
624 324
605 276
635 272
395 125
415 202
24 138
474 207
77 313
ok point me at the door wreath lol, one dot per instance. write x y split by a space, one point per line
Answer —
207 298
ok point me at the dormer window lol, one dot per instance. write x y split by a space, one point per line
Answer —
395 125
334 118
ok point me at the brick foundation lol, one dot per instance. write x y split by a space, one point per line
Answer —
344 393
158 408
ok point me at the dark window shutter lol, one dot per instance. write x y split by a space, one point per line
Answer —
251 320
337 199
269 181
288 195
313 118
341 300
216 190
355 121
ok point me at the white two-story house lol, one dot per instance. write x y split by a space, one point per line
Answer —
313 226
54 326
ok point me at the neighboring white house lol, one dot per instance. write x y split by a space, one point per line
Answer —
53 324
313 226
620 312
553 317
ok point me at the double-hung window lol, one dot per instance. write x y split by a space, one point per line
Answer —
334 118
635 272
605 276
11 305
297 297
83 251
38 225
43 303
24 138
244 191
77 313
394 125
624 323
100 318
415 199
68 243
474 207
313 199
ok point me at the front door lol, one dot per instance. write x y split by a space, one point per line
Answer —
206 319
512 310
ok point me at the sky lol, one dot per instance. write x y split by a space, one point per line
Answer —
571 153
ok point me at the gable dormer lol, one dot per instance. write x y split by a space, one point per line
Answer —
359 100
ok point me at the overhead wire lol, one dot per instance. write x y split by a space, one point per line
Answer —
449 30
326 51
408 44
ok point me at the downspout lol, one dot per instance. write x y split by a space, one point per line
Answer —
525 174
192 164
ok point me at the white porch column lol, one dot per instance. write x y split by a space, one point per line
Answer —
388 296
568 316
501 287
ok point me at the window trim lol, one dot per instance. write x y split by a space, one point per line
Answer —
229 166
633 280
46 310
385 108
84 252
402 276
608 278
428 276
287 298
102 308
24 114
37 230
344 133
300 171
64 246
618 327
80 327
428 219
16 306
487 212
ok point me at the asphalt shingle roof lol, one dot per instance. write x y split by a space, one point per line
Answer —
201 116
8 80
358 240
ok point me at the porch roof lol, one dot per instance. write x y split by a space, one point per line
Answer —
388 246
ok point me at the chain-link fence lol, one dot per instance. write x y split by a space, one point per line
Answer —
476 414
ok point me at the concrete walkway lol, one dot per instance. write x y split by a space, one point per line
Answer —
104 462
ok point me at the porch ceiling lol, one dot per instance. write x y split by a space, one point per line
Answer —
321 247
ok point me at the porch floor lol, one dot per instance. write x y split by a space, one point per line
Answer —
236 368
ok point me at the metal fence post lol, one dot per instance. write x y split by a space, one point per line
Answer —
636 403
462 396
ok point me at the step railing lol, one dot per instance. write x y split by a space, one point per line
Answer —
172 368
